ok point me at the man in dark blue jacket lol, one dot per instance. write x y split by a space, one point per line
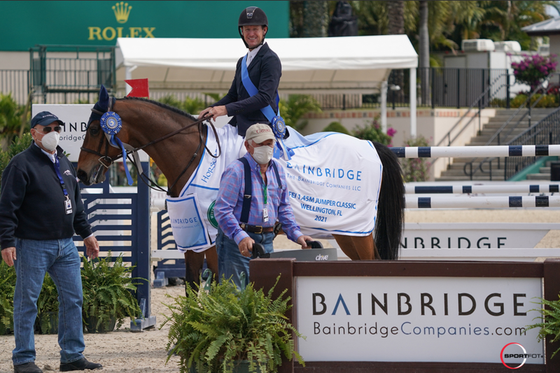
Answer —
264 69
40 209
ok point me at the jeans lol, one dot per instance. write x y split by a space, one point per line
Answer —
61 260
230 261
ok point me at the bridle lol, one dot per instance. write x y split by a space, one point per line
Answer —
105 160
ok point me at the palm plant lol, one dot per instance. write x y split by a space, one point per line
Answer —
440 23
525 13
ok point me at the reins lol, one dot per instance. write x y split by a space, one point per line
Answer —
130 150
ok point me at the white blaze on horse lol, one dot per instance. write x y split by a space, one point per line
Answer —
340 186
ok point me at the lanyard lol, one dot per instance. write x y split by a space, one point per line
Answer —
265 191
265 198
56 165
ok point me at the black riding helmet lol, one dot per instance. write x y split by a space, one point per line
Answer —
252 16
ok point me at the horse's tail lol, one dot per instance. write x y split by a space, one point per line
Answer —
390 209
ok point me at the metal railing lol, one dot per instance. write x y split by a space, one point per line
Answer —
66 74
545 132
485 166
496 87
449 87
58 78
16 84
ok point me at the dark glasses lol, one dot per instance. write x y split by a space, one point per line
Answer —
49 129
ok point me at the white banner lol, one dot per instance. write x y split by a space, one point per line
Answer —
334 183
419 236
418 319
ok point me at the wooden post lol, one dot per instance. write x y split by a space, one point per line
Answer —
551 291
264 273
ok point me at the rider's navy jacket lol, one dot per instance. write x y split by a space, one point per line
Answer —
32 202
264 71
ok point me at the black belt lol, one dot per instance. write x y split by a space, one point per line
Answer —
256 228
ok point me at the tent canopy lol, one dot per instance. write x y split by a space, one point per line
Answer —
357 64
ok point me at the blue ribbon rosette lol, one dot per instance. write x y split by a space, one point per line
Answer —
111 124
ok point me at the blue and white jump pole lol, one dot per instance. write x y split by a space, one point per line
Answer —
477 151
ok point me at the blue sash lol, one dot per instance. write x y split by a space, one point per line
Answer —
252 90
278 125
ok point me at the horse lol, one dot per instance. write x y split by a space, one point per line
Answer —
176 140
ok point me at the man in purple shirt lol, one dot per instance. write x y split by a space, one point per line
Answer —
239 229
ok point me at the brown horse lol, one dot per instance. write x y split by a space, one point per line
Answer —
175 140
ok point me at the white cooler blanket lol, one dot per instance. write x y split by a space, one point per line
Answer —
333 180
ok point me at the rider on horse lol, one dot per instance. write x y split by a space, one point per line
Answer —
264 71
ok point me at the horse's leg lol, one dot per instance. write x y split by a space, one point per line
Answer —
358 247
193 266
347 247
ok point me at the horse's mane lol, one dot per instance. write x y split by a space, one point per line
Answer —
160 104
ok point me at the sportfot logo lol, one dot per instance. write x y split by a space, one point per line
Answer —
122 11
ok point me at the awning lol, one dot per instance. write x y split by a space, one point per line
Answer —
352 64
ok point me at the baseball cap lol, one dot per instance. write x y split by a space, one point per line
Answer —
45 118
259 133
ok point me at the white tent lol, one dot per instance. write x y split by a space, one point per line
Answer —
354 64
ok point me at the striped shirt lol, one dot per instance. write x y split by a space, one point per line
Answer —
230 201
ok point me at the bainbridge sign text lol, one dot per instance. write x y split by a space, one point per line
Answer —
437 319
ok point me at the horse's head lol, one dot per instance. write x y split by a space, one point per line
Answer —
116 127
97 153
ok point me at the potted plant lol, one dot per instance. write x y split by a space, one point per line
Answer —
47 307
224 329
550 321
108 294
7 287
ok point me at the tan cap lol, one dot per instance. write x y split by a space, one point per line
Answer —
259 133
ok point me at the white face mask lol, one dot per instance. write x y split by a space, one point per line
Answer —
263 154
50 140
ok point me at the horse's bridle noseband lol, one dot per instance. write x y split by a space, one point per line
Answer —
134 151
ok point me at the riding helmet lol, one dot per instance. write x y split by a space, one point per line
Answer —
252 16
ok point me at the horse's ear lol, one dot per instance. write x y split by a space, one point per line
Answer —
103 102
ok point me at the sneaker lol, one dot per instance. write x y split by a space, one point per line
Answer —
27 368
81 364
